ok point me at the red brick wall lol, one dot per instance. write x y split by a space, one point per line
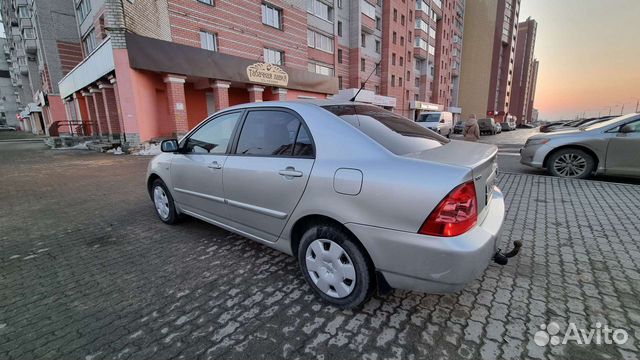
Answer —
389 25
70 55
239 27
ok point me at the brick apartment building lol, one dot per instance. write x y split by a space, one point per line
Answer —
42 46
524 72
488 57
157 68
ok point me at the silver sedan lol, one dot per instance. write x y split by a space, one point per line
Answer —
609 147
365 199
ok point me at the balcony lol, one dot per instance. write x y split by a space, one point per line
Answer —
420 53
368 24
25 23
30 46
24 69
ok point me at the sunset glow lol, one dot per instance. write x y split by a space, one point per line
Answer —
589 56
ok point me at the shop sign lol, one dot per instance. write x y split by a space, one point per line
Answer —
267 74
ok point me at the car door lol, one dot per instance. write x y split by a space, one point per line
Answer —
196 171
266 174
623 150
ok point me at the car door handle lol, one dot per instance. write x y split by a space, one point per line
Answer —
214 165
290 172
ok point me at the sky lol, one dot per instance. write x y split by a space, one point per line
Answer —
589 52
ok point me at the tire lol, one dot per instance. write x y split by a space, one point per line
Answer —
571 163
322 249
161 196
449 134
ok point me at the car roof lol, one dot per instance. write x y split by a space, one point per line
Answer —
296 103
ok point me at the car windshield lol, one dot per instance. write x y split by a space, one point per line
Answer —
484 122
606 123
396 133
429 118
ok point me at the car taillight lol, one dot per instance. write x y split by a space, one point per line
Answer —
455 215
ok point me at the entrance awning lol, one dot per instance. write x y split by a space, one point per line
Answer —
167 57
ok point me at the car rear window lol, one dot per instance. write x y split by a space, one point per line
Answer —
396 133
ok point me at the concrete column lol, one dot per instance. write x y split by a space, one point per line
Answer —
255 93
113 82
221 94
177 104
91 109
101 115
280 93
111 110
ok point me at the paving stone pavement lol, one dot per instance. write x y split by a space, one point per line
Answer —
87 271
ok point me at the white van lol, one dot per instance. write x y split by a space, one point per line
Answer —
438 121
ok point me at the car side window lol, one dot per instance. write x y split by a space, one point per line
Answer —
635 125
273 133
214 136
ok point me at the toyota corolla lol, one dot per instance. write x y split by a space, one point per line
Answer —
364 198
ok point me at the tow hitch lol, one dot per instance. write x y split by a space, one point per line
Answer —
503 259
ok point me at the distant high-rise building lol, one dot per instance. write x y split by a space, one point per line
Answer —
488 54
8 105
532 92
523 85
42 47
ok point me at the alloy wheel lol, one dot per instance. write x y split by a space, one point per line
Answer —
570 165
161 202
330 268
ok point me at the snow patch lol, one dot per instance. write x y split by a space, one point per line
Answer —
149 149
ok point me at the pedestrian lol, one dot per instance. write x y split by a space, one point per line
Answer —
471 130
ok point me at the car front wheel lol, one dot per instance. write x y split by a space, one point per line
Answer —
163 202
571 163
335 266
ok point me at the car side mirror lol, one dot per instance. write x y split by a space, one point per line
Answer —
627 129
169 146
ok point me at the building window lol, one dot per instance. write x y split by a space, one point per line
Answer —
432 32
319 41
320 9
378 23
395 15
320 69
421 43
271 16
401 19
378 70
339 28
393 81
340 83
363 40
401 61
377 89
363 64
208 41
339 56
394 37
273 56
437 3
417 81
339 4
393 59
89 42
400 81
208 2
432 50
410 15
378 46
401 40
421 24
368 9
23 12
83 8
408 56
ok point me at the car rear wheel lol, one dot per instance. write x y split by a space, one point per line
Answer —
335 266
571 163
163 202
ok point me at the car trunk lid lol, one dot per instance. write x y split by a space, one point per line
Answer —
480 158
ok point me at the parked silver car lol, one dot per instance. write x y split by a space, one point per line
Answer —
364 198
609 147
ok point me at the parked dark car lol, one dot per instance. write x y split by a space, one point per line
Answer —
7 128
525 126
552 125
457 128
507 126
578 123
488 126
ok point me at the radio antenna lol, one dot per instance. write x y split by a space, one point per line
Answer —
364 83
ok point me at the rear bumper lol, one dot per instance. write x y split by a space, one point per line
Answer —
433 264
